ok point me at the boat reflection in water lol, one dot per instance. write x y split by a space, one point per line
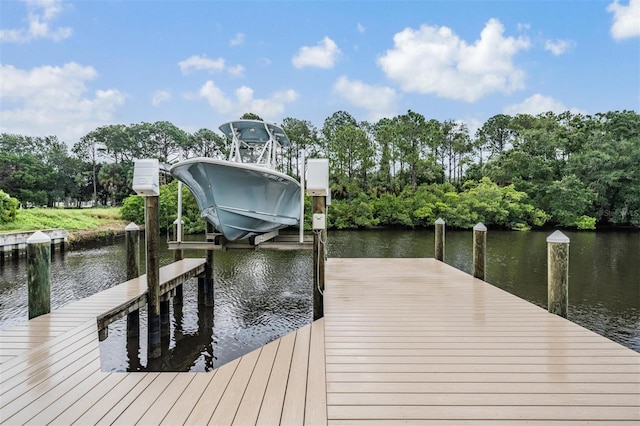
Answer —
245 195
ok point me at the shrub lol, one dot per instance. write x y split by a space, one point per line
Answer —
8 207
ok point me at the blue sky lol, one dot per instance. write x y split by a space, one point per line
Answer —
68 67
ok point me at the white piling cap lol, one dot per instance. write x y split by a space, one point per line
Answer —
132 227
440 221
175 222
558 238
480 227
38 237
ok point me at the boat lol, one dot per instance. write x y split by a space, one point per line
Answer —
244 195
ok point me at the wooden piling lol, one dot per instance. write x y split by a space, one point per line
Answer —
319 250
178 255
205 284
558 274
152 235
440 239
39 274
165 323
479 250
132 244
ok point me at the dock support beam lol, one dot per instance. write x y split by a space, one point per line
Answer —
152 235
479 250
440 239
558 274
319 247
132 243
39 274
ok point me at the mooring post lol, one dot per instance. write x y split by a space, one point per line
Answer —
319 250
178 255
39 274
132 244
152 234
479 250
558 274
440 239
165 323
205 284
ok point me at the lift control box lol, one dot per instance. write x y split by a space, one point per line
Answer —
319 222
146 177
318 177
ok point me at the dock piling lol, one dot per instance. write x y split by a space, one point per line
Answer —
319 247
132 244
39 274
152 234
205 283
178 231
440 239
479 250
558 274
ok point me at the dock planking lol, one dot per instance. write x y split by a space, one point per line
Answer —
416 341
409 341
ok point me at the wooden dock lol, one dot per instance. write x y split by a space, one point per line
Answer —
409 341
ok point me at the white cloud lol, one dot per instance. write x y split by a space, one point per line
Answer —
236 70
558 47
197 63
40 13
626 19
536 104
270 108
237 40
435 60
361 28
160 97
378 101
322 56
52 100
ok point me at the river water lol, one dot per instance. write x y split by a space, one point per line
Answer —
262 295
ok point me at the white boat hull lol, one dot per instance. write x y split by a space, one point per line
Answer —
240 200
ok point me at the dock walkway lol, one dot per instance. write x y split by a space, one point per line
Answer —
410 341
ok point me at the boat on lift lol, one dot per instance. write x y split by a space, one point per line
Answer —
244 196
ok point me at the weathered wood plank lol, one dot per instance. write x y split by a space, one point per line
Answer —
181 410
316 404
206 405
453 412
295 397
249 407
230 401
271 409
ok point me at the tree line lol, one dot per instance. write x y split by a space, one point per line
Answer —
568 169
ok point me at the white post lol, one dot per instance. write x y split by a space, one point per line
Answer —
302 196
179 224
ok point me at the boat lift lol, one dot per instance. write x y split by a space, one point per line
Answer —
316 185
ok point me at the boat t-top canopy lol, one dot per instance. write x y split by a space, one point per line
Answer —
255 132
254 141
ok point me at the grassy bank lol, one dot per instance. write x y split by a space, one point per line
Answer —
81 224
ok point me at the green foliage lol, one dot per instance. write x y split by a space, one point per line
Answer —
401 171
350 214
133 209
8 207
585 222
69 219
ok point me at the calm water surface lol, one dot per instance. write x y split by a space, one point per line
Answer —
262 295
